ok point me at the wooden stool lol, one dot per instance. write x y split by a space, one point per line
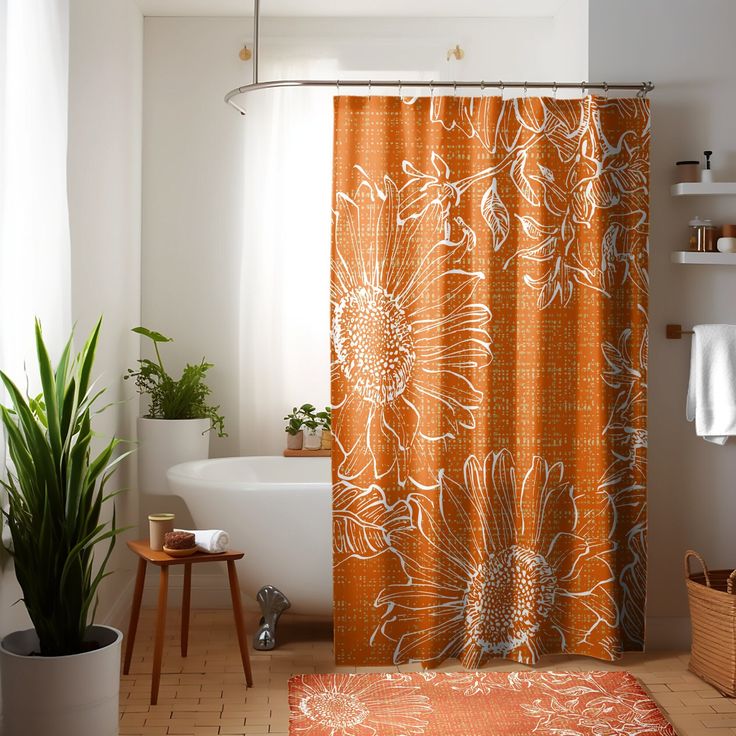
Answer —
164 562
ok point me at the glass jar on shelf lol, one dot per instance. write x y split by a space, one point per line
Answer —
702 235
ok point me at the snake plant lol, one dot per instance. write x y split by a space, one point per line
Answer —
56 493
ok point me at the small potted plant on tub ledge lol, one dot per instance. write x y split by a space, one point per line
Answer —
62 676
294 429
179 419
312 425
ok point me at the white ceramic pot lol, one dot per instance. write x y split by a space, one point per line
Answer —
294 441
163 443
312 440
75 695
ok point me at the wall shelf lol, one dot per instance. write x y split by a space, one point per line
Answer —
699 188
703 259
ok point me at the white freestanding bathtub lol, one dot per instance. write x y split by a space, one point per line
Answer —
278 511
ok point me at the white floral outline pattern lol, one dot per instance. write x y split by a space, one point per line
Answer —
601 173
488 574
390 342
351 705
624 482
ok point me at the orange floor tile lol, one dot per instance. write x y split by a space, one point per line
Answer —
205 693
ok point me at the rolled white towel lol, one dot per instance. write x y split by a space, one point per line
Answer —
213 541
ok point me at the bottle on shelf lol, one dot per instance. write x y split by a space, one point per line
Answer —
706 175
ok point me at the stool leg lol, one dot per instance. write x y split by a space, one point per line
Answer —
158 649
239 625
135 610
186 598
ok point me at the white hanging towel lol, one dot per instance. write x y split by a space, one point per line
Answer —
711 393
213 541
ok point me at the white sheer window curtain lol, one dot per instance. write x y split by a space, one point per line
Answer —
34 224
285 282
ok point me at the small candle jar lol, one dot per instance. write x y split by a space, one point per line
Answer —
158 526
687 171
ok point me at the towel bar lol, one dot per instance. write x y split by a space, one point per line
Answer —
675 332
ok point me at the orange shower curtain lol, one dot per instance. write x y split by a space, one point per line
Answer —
489 357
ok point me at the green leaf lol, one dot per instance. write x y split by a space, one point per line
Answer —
48 382
151 334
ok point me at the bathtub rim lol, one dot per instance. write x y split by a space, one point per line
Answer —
178 474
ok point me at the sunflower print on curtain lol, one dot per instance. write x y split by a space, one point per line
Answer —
489 361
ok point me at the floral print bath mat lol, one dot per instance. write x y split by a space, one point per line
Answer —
473 704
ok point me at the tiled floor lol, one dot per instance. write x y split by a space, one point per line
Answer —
204 694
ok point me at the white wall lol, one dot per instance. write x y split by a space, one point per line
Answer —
192 211
104 180
692 491
193 178
104 189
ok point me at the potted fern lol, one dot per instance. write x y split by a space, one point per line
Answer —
62 676
179 419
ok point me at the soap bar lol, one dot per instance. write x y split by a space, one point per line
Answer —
179 540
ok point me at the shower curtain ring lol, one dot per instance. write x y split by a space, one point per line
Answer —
338 86
525 89
370 87
554 88
431 90
454 89
582 88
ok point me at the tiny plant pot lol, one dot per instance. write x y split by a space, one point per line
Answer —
326 440
312 440
294 441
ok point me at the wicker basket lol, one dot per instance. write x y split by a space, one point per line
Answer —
713 620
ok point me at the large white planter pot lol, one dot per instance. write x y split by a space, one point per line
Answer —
76 695
163 443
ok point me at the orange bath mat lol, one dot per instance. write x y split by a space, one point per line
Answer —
473 704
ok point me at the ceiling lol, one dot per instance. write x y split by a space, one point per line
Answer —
355 8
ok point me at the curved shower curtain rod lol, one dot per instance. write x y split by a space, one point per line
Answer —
642 88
